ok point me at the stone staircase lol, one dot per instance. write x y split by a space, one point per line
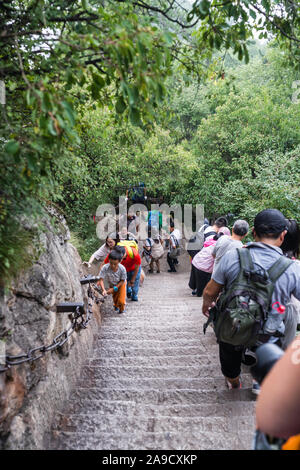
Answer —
154 380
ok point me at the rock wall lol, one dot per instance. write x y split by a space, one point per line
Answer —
32 393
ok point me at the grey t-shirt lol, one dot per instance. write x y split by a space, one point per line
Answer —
263 256
224 244
112 277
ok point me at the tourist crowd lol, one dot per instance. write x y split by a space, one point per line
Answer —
224 269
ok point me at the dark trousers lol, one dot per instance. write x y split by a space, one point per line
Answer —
198 280
230 359
172 262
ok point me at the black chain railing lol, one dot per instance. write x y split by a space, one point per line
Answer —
79 317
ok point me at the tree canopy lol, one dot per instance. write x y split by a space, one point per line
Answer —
76 68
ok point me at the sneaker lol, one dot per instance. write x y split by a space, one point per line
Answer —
129 294
231 387
134 298
255 387
194 292
172 271
117 310
123 311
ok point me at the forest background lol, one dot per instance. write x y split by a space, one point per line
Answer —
103 95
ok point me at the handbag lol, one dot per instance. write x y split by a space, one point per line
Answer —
174 251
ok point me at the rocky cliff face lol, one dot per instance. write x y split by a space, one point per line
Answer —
31 393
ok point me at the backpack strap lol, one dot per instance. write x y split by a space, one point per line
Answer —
209 234
245 260
279 267
275 271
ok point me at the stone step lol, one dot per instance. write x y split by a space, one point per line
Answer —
130 408
144 323
185 304
150 334
152 441
186 360
147 314
156 329
169 342
150 371
164 383
154 381
125 336
100 423
159 397
149 351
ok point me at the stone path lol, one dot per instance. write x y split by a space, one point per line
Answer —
154 380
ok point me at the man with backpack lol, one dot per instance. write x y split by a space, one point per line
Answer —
255 283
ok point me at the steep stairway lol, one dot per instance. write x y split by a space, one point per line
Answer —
154 380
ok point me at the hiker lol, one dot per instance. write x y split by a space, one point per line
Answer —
138 193
203 226
278 405
131 260
157 252
147 250
102 252
154 221
291 248
270 228
239 231
125 235
174 249
115 274
196 242
203 263
137 222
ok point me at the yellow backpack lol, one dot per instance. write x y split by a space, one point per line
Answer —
129 244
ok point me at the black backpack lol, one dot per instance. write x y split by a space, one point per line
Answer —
198 241
242 310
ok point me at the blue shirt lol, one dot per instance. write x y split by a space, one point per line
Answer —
263 256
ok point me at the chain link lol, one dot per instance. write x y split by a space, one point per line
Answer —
78 322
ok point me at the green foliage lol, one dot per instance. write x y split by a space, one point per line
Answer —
229 24
18 249
86 80
246 149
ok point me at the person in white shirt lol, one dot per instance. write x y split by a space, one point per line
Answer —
102 252
240 230
174 250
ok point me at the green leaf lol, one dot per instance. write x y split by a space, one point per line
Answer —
51 128
46 102
31 162
12 147
85 4
6 263
120 105
98 80
134 116
204 7
69 112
